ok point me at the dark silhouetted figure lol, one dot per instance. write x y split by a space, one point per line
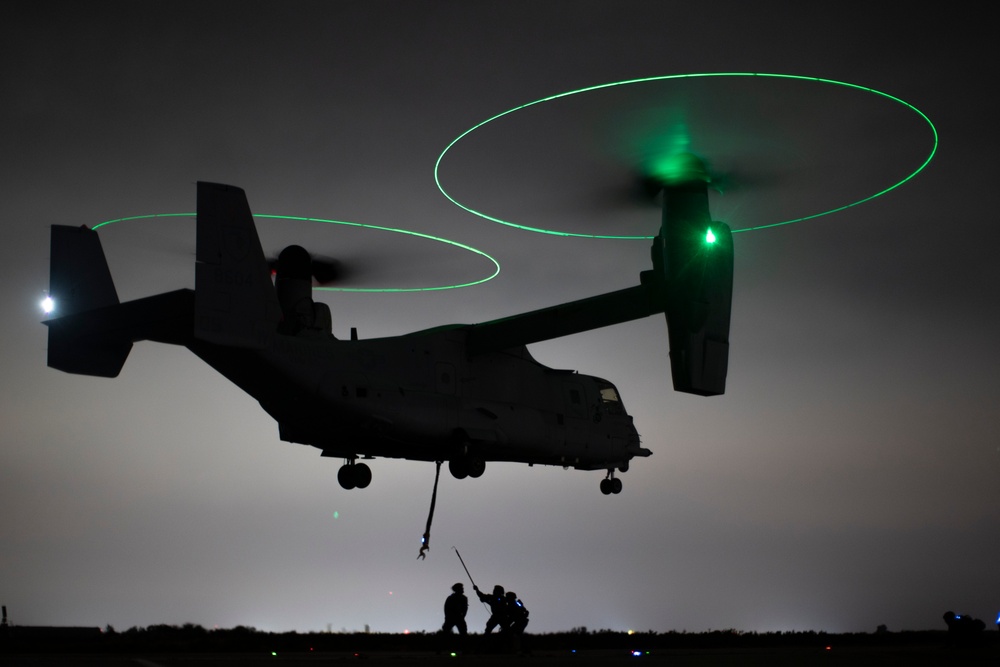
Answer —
455 608
963 630
517 619
517 613
498 608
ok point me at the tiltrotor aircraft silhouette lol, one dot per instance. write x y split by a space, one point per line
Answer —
468 394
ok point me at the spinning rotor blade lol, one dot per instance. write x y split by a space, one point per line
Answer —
658 149
295 262
327 270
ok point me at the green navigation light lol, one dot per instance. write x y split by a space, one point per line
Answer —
709 237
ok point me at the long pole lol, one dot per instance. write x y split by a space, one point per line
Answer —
465 568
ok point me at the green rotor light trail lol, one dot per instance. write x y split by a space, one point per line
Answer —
438 239
921 167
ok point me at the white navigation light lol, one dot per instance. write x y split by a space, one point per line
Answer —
48 305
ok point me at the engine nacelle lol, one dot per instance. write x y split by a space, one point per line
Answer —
694 256
293 284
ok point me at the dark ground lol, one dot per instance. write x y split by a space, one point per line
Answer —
190 646
778 657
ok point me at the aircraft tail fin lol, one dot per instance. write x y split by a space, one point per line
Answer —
80 282
79 277
235 301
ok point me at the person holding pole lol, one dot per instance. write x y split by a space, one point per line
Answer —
496 601
498 609
455 607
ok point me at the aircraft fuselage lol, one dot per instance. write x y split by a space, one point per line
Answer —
420 396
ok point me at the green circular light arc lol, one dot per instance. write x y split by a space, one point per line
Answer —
921 167
407 232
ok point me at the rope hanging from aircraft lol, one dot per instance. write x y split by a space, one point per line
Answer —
425 541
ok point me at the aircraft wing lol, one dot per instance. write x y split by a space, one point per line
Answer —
565 319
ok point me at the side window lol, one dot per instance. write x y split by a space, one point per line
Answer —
574 399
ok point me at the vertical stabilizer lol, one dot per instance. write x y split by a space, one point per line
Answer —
235 302
80 284
79 278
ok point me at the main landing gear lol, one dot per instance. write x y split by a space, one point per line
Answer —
354 475
465 462
611 484
466 466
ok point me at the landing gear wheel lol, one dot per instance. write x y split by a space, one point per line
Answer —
346 476
363 475
354 475
475 465
611 484
458 468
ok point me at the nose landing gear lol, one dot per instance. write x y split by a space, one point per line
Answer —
611 484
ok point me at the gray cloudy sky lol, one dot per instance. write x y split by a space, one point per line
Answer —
848 478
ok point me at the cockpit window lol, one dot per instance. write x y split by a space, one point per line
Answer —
610 400
609 395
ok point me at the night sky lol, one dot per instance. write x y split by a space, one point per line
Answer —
849 477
